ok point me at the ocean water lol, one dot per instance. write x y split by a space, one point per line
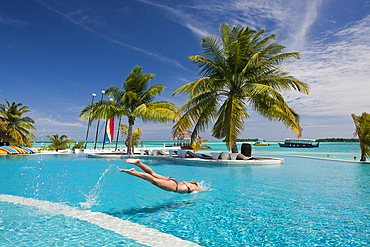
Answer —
302 202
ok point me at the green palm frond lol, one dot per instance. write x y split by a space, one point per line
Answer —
114 93
230 120
101 110
199 112
149 95
59 142
124 130
158 111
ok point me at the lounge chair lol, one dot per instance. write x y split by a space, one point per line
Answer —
160 152
261 158
233 156
204 156
225 156
242 157
200 156
215 156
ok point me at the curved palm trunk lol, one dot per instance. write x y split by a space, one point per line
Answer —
3 135
363 152
234 148
131 122
363 158
362 125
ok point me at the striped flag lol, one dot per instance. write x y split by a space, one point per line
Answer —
109 132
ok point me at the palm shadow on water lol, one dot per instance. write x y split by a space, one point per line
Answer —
144 211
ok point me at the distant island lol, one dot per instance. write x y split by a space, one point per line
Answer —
245 140
320 140
338 140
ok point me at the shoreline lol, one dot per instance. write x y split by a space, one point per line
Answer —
339 151
119 154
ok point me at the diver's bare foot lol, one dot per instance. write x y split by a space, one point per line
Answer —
133 161
129 171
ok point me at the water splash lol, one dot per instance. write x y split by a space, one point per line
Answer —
92 198
205 186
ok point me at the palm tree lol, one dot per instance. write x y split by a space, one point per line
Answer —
135 101
101 110
241 69
15 128
59 142
362 125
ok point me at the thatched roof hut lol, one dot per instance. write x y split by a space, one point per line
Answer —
184 139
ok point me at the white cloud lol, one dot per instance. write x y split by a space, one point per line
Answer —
58 124
337 72
291 21
51 126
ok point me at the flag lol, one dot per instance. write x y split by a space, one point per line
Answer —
109 131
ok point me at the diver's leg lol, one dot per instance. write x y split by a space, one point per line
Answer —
145 168
161 183
141 175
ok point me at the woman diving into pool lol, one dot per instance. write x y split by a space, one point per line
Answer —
165 183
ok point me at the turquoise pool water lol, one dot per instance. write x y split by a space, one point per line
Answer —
303 202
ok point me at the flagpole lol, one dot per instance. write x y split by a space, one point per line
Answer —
105 133
97 126
119 123
88 122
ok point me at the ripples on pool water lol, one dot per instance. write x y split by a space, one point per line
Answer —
303 202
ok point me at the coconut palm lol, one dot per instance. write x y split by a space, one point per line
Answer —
101 110
134 101
241 69
137 100
59 142
15 128
362 125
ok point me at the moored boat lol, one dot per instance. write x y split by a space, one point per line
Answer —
300 143
260 142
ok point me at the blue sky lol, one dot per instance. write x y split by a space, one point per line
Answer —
55 53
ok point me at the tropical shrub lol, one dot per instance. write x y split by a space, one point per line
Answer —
59 142
78 145
136 134
198 144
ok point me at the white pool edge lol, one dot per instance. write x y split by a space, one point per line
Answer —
134 231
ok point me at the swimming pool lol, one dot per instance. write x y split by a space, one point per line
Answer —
302 202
